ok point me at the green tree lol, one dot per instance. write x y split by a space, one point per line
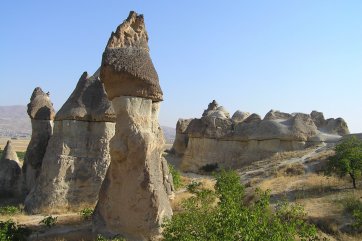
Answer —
222 215
347 159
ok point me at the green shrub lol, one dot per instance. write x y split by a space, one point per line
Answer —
10 231
21 155
101 238
353 206
221 215
9 210
176 176
49 221
347 160
86 213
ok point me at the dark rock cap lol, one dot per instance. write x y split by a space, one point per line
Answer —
127 68
88 102
40 106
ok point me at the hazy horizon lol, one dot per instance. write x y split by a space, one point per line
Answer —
250 56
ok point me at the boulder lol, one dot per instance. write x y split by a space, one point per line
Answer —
41 113
10 172
318 118
77 155
275 115
240 116
133 200
336 126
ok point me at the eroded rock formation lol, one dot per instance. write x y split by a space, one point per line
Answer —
215 139
77 156
133 200
41 113
10 172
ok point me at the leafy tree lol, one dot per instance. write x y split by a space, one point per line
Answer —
347 159
222 215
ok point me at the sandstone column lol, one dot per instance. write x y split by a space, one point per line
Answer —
41 113
10 172
133 200
77 156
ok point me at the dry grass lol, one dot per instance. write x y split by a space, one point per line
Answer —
18 144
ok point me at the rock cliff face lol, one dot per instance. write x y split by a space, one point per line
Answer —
77 156
217 139
41 113
10 172
133 200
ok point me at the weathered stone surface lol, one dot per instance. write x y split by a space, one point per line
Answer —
88 102
337 126
127 68
217 139
318 118
77 156
181 139
41 113
134 184
240 116
10 172
40 106
133 200
275 115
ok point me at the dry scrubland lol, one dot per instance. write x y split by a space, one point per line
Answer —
294 176
19 145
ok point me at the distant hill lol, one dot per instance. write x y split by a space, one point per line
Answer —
15 122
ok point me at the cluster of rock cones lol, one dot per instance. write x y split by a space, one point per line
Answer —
103 148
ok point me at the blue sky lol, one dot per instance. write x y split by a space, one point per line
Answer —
292 56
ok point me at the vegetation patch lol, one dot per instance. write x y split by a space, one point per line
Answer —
221 214
49 221
10 231
9 210
176 176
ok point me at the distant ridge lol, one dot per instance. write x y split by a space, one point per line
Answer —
15 122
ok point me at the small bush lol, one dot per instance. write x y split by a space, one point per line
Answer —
21 155
10 231
176 176
49 221
9 210
353 206
86 213
193 187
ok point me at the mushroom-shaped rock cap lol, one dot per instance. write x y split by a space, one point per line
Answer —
88 102
9 153
127 68
40 106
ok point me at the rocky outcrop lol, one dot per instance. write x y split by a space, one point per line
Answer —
41 113
133 201
216 139
10 172
77 156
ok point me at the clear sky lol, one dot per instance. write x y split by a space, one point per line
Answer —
292 56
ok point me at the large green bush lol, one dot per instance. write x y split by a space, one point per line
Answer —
222 215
